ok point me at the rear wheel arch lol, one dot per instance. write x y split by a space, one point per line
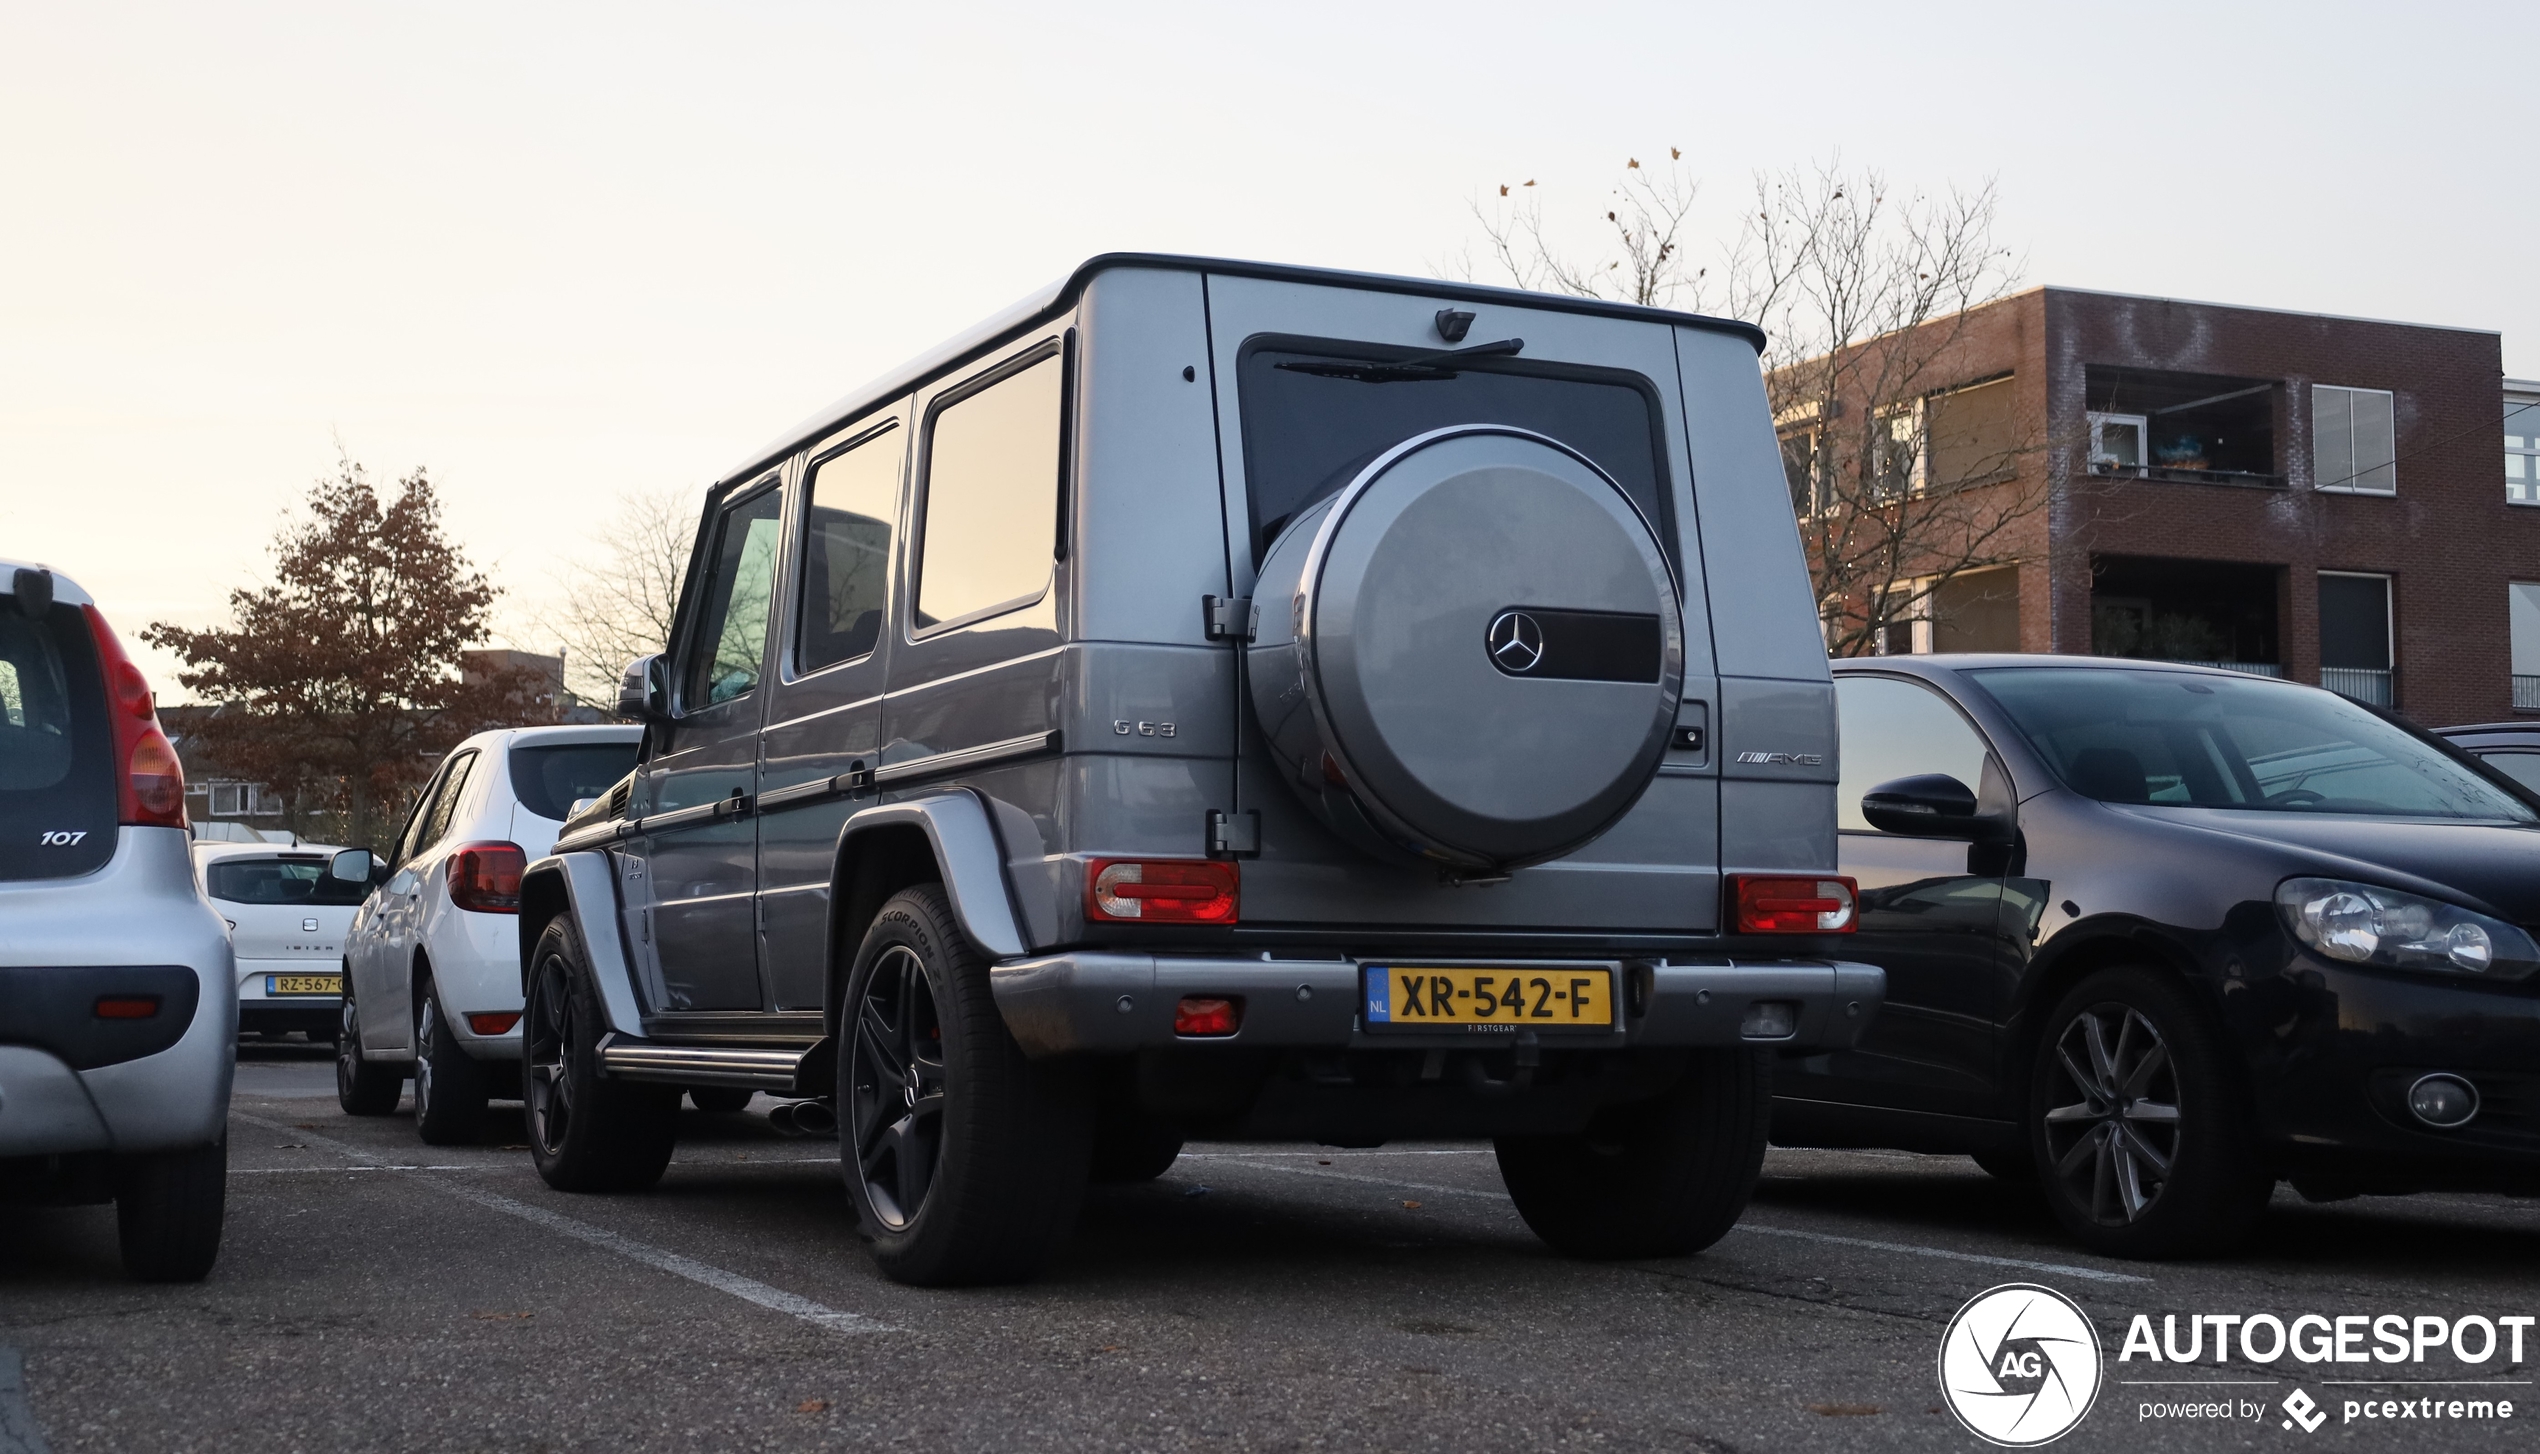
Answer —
542 898
872 866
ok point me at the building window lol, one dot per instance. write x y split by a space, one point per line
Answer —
2522 451
2522 615
2355 657
1799 465
1896 452
2354 440
2116 441
1972 434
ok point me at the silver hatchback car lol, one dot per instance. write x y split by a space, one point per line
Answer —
118 1006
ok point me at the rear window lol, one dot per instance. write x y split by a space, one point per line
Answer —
1310 427
548 780
303 880
57 783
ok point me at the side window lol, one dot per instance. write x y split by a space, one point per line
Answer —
410 840
730 636
854 496
1893 729
2522 767
454 785
991 524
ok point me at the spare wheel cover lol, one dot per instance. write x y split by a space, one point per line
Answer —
1488 637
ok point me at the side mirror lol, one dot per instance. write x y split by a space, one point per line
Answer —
353 866
1929 805
579 805
643 693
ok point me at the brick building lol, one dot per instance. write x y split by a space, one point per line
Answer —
2311 497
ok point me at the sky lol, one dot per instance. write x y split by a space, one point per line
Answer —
556 253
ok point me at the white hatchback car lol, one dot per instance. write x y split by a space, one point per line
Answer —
432 960
287 916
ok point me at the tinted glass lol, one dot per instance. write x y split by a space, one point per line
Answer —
280 881
1307 434
2233 742
446 806
57 783
1893 729
991 529
2522 767
730 640
549 780
847 551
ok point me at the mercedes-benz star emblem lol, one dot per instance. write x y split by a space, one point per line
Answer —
1515 642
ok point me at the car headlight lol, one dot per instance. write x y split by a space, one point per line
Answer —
2367 924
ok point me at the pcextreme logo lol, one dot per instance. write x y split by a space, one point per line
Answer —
2020 1365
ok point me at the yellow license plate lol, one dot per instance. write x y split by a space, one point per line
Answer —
304 984
1461 997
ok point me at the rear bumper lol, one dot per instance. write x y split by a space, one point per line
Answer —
1103 1001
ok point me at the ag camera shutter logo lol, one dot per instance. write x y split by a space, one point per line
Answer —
2020 1365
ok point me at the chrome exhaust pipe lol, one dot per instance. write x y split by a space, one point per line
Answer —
804 1118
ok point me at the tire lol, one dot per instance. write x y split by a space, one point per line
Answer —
2017 1167
1656 1178
720 1100
587 1133
450 1088
2139 1124
966 1162
363 1086
168 1207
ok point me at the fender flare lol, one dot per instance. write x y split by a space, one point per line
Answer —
583 886
966 853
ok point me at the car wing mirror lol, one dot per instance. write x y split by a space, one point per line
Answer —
643 693
354 866
1930 805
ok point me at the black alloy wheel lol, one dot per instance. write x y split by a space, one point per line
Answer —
897 1087
363 1087
587 1133
2140 1127
966 1161
2113 1132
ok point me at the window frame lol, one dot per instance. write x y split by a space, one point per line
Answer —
701 579
920 489
2354 481
872 430
2529 454
2099 460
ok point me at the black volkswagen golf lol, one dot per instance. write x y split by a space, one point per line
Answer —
2160 936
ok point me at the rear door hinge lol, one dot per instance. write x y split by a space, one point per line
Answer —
1234 835
1228 618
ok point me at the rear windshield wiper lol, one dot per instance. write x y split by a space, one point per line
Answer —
1420 368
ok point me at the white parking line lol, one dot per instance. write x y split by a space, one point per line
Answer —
2061 1269
748 1289
19 1433
340 1170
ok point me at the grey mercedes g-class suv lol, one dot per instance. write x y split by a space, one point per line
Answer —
1230 700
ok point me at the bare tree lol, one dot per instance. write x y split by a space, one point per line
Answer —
616 602
1904 473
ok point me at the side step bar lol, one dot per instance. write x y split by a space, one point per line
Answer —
768 1070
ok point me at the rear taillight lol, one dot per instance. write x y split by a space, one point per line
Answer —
127 1007
150 782
1167 891
1761 904
485 877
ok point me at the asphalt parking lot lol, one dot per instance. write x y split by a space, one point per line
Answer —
374 1293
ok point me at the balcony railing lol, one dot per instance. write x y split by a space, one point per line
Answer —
2252 668
2363 683
2110 469
2527 692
